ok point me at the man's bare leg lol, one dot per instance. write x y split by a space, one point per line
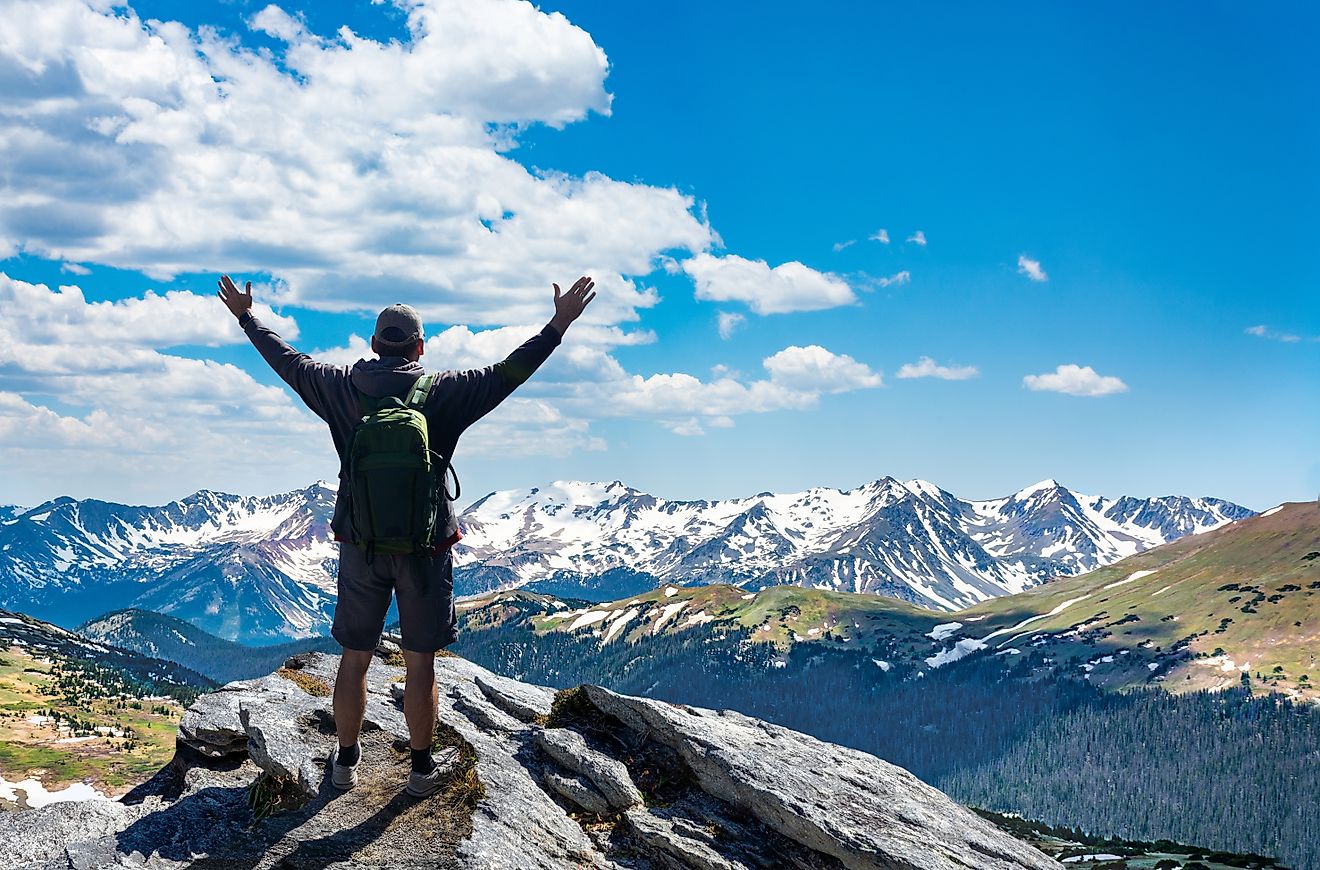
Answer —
350 699
420 701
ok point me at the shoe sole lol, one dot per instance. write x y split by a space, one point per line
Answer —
431 789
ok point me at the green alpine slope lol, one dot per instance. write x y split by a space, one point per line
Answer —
1240 604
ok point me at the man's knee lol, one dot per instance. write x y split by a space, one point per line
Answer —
419 664
354 661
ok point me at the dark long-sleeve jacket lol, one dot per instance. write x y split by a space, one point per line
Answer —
458 398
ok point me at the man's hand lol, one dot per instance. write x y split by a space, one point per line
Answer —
569 306
235 300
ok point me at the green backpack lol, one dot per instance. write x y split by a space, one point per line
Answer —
396 481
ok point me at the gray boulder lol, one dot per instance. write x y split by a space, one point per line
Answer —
521 700
867 813
35 838
610 777
473 703
211 725
577 791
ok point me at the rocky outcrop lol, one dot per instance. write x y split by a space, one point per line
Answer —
588 779
835 800
610 777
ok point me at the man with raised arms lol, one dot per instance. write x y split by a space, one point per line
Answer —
421 581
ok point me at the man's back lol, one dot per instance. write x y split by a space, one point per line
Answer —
457 400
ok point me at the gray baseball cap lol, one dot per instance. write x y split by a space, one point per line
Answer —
399 324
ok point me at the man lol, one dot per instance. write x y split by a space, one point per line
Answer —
422 582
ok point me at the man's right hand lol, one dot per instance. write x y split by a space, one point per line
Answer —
235 300
569 306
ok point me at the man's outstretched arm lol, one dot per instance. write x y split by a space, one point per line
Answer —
478 391
307 377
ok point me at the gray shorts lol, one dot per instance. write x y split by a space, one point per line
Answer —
423 584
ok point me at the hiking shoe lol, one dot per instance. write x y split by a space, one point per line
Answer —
342 776
421 785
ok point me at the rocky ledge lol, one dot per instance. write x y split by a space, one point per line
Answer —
583 778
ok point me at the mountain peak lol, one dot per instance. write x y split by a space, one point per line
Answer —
1047 485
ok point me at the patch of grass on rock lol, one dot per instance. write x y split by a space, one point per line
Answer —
312 685
465 789
571 707
270 794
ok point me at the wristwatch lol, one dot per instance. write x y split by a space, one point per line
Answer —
244 318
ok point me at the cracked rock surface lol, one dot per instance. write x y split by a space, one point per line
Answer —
606 781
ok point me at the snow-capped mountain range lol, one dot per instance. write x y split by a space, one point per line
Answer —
257 569
262 569
909 539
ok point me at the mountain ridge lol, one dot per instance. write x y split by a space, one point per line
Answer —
261 569
909 539
162 636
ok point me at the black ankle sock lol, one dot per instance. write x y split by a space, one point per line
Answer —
349 755
422 762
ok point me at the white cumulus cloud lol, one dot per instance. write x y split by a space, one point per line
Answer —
354 171
928 368
881 235
1031 268
784 288
89 405
815 369
342 173
918 238
1075 380
34 314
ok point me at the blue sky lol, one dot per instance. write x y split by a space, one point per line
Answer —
1155 166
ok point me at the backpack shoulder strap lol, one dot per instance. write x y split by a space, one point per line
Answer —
420 392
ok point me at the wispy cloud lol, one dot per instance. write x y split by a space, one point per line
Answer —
928 368
1262 331
729 321
688 426
1075 380
75 269
1031 268
881 235
839 246
132 418
897 279
918 238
